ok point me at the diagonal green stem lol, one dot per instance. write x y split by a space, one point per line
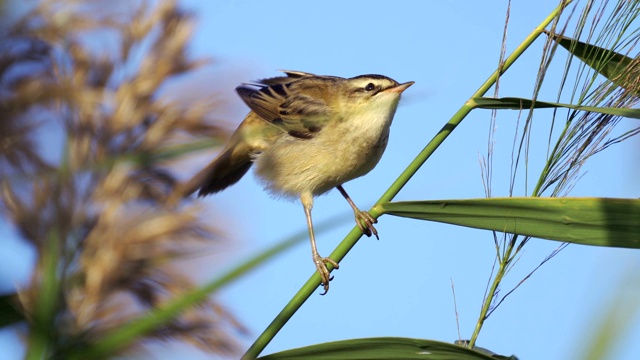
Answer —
350 240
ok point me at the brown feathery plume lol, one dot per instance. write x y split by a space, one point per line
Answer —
85 140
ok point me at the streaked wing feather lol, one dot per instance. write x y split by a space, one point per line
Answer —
263 101
291 77
298 114
297 74
304 113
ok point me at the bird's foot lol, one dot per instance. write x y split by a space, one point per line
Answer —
365 222
321 265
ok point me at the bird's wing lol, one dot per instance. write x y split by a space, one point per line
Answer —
287 102
292 76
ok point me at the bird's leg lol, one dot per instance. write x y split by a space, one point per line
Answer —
321 262
362 217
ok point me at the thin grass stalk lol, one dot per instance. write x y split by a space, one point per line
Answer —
572 140
352 237
503 267
507 253
39 344
505 257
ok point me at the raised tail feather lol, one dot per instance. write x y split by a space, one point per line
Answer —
225 170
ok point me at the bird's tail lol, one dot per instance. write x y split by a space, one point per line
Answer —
225 170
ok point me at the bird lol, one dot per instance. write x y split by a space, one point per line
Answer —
307 134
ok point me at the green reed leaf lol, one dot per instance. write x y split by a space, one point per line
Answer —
607 62
589 221
384 348
514 103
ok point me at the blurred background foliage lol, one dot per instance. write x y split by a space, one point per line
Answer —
89 78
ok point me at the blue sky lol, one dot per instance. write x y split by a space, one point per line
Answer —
401 284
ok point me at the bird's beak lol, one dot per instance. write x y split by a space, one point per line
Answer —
400 88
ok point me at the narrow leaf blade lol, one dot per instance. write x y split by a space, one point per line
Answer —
589 221
514 103
607 62
382 348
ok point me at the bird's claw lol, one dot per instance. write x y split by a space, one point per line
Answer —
321 265
364 218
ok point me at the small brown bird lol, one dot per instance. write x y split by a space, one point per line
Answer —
307 134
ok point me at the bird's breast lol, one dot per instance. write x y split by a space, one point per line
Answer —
341 151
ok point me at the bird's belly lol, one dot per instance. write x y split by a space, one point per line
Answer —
291 166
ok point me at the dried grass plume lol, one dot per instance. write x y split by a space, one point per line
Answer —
85 143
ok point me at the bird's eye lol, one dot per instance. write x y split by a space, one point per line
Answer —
369 87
